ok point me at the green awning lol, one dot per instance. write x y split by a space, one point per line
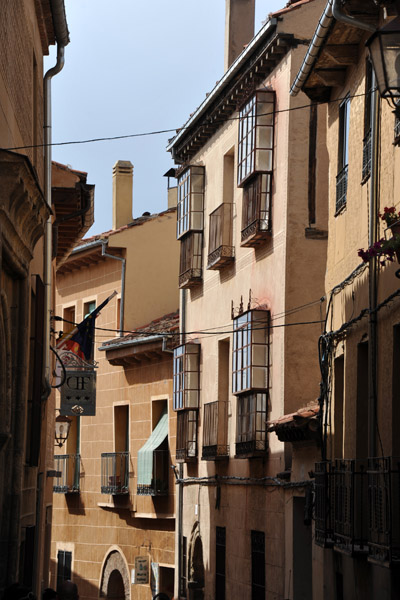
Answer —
145 454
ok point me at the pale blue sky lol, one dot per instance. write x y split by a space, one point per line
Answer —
135 67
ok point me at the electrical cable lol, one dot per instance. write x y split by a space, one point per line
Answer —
174 130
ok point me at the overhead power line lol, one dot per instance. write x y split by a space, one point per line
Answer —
173 130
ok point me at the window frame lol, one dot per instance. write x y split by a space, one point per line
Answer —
343 154
251 424
255 144
186 377
191 260
186 436
190 202
246 352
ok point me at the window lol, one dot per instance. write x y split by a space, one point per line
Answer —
220 557
220 249
186 376
153 461
69 319
256 135
186 436
368 108
250 351
256 213
397 125
251 417
343 154
64 563
257 565
88 308
190 201
190 270
215 421
115 465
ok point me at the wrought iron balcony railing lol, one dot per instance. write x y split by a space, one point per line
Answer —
357 507
215 431
350 508
384 510
341 189
115 473
69 466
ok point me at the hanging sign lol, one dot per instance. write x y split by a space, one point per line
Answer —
78 393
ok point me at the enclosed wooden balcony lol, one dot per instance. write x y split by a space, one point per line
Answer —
186 436
256 216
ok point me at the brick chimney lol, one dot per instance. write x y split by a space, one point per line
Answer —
122 193
239 27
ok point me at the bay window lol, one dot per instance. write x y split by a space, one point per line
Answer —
186 376
250 352
190 201
256 213
256 135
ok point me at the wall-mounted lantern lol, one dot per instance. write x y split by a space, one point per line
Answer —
384 48
62 429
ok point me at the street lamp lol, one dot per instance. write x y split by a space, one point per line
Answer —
384 49
62 429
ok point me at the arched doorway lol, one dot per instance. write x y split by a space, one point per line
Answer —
196 570
115 583
115 587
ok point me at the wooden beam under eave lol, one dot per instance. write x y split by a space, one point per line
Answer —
331 77
344 55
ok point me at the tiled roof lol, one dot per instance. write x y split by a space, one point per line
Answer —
138 221
166 324
290 6
299 426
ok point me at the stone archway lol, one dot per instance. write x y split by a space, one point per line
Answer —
196 565
115 584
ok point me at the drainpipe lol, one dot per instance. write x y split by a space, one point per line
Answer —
373 235
180 488
104 244
48 231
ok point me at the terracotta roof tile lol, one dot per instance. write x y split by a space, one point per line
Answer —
166 324
296 419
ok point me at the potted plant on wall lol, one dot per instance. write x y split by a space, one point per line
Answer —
385 249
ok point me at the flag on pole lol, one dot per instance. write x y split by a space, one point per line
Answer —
80 339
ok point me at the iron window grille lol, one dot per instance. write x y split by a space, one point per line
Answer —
350 503
256 212
159 483
256 135
250 358
397 125
215 425
186 376
186 436
384 510
251 431
191 260
115 473
323 512
368 108
343 154
69 466
190 201
220 249
257 565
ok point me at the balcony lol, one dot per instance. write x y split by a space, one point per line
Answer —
251 432
357 508
341 189
160 474
384 510
69 467
220 249
256 216
115 473
215 431
190 269
186 436
350 512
